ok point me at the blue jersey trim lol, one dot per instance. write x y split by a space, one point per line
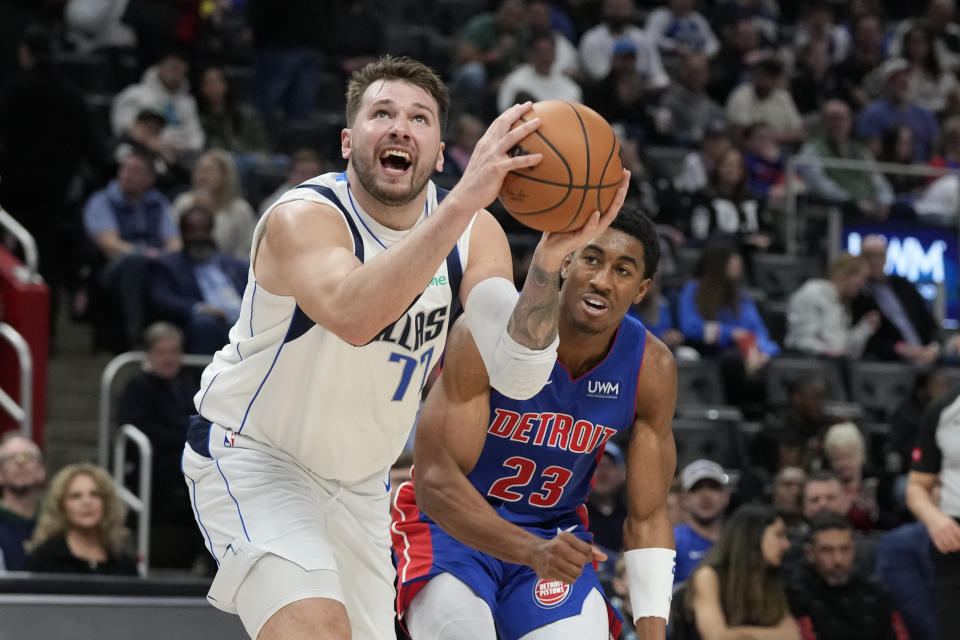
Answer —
230 493
299 325
269 371
196 512
454 276
330 195
204 396
198 435
253 296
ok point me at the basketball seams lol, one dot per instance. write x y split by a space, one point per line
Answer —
606 166
586 178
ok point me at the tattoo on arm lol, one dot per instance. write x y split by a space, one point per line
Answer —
533 323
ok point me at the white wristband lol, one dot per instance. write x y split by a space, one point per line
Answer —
650 578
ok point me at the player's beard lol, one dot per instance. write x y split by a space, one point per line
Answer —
366 174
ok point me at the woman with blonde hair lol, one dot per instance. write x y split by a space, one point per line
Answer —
80 528
217 188
871 501
736 592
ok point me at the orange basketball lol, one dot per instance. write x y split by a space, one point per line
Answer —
579 173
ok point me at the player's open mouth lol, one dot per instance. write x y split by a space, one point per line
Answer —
395 162
595 305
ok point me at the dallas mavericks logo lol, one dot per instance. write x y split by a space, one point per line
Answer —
598 389
550 593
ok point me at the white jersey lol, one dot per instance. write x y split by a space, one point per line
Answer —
344 412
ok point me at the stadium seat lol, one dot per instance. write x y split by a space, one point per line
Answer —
780 275
698 383
880 386
783 372
718 439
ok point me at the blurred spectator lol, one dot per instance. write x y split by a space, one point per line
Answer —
145 135
489 46
819 28
859 192
764 14
726 208
737 592
96 25
818 313
623 96
227 123
164 88
158 400
867 54
791 437
539 17
907 331
742 49
717 316
948 155
705 498
597 46
765 99
304 164
845 452
931 87
691 110
357 35
679 29
939 22
288 41
937 454
162 25
131 223
80 529
698 166
654 312
198 288
216 188
814 81
21 487
46 138
763 160
929 385
896 147
537 80
906 570
833 602
895 107
785 499
606 504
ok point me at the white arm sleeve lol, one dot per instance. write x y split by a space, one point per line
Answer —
650 580
514 370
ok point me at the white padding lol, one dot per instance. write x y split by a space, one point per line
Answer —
650 578
447 609
514 370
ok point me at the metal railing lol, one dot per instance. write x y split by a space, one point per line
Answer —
23 412
106 393
140 501
31 257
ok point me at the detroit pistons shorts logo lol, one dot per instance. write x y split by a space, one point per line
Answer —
550 593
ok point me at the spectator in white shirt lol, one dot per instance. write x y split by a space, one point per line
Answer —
764 99
538 17
537 80
597 44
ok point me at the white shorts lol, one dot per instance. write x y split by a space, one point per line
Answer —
251 500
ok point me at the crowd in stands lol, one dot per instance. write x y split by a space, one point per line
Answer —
141 145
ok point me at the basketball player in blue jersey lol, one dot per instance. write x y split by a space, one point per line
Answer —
491 535
355 278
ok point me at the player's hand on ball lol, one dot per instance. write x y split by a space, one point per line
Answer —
562 557
555 245
491 159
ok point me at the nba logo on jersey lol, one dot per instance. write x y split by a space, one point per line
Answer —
229 439
550 593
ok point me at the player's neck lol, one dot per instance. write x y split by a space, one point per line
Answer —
579 351
398 218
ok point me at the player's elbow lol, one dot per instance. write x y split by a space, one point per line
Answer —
429 490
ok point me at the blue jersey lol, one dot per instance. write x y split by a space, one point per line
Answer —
537 462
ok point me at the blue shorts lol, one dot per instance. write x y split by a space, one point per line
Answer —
519 600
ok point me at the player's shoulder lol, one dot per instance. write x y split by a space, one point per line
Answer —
658 356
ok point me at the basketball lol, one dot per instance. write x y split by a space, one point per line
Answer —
579 173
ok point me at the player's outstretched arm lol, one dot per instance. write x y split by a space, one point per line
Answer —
307 252
517 338
450 436
651 461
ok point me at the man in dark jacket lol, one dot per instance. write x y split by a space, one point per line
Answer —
198 288
908 331
833 602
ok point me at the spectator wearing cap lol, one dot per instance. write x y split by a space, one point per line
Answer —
606 505
829 599
538 79
895 108
764 99
623 96
859 192
679 29
615 35
705 498
691 109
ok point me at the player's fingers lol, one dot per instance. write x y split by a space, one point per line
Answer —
505 120
522 162
510 139
620 196
599 555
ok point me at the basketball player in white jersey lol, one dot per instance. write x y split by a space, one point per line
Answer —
354 281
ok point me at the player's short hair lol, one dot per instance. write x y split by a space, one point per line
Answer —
401 69
634 221
826 520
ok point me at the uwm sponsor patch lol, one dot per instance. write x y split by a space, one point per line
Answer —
550 593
